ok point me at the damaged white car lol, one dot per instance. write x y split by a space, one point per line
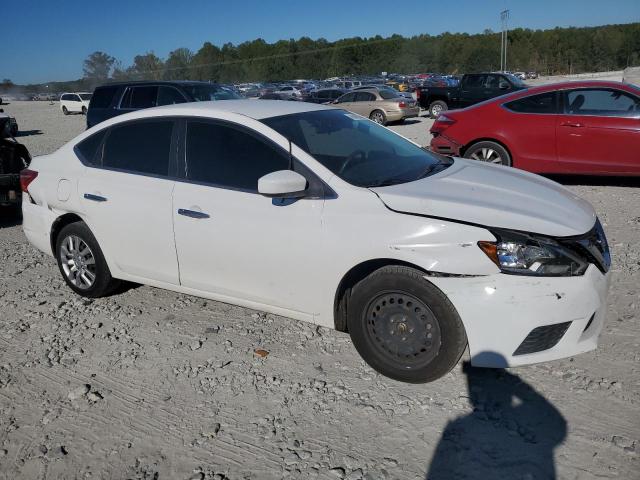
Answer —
321 215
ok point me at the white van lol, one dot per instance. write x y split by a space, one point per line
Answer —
75 103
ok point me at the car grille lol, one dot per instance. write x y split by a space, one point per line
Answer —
542 338
594 245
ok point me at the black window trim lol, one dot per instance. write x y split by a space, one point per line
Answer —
565 91
559 103
97 164
317 189
157 85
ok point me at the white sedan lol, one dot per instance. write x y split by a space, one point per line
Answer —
321 215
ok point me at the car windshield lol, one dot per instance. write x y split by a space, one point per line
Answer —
356 149
206 93
85 96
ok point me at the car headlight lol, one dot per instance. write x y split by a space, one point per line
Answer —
529 254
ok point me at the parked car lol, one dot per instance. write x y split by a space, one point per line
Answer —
115 99
278 96
381 106
532 75
14 157
8 126
473 88
75 103
587 127
387 88
325 95
290 91
359 229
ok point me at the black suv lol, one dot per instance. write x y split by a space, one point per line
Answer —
117 98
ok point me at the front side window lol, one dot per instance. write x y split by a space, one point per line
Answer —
229 157
141 147
356 149
601 102
542 103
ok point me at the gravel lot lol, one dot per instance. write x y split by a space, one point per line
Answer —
151 384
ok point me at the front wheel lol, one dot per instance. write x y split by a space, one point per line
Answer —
84 110
82 263
379 117
403 326
65 111
490 152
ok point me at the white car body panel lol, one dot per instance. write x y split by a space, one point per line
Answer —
289 259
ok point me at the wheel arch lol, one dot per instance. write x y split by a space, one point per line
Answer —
352 277
58 224
500 142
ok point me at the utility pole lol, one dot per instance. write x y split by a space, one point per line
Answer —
504 19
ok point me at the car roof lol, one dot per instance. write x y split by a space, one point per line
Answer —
155 82
576 84
256 109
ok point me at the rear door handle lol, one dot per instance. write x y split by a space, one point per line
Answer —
95 198
192 213
571 124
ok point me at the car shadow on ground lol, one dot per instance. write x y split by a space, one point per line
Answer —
511 433
9 217
596 181
27 133
408 122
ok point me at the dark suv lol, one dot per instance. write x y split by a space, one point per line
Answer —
115 99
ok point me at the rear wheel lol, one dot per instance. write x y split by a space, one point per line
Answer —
487 151
65 111
82 263
379 117
403 326
437 107
84 110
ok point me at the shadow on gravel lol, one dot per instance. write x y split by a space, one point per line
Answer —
28 133
9 217
408 122
511 433
598 181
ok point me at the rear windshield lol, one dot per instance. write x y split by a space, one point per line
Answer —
387 94
102 97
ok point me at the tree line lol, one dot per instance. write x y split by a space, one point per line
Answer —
548 52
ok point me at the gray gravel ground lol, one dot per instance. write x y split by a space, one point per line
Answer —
151 384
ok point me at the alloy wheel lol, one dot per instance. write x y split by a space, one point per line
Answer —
377 117
78 262
487 155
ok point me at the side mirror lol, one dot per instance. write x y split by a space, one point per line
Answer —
282 184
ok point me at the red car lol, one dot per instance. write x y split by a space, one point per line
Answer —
590 128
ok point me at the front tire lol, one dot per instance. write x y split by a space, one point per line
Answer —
403 326
82 263
379 117
84 110
490 152
65 111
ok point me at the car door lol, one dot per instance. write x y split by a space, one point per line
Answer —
126 195
232 241
347 101
471 89
599 131
362 104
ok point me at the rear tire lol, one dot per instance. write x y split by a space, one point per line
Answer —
84 110
65 111
490 152
82 263
437 107
379 117
403 326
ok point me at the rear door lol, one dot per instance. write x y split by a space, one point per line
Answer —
599 131
126 198
472 89
364 103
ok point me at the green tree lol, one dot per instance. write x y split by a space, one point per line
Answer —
98 66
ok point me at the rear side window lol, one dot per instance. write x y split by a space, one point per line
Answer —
102 97
141 147
228 157
542 103
88 148
474 81
140 97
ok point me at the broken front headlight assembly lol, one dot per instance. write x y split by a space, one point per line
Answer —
528 254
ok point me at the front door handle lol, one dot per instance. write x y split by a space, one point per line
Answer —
571 124
192 213
95 198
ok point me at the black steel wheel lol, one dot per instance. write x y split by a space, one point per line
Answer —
403 326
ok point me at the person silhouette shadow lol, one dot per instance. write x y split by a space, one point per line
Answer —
511 433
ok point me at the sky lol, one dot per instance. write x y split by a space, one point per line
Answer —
48 40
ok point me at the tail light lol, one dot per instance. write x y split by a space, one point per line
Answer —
441 124
402 104
418 93
26 177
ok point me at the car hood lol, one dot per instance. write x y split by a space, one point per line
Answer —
493 196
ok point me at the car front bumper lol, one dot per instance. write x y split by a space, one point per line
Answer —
500 311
